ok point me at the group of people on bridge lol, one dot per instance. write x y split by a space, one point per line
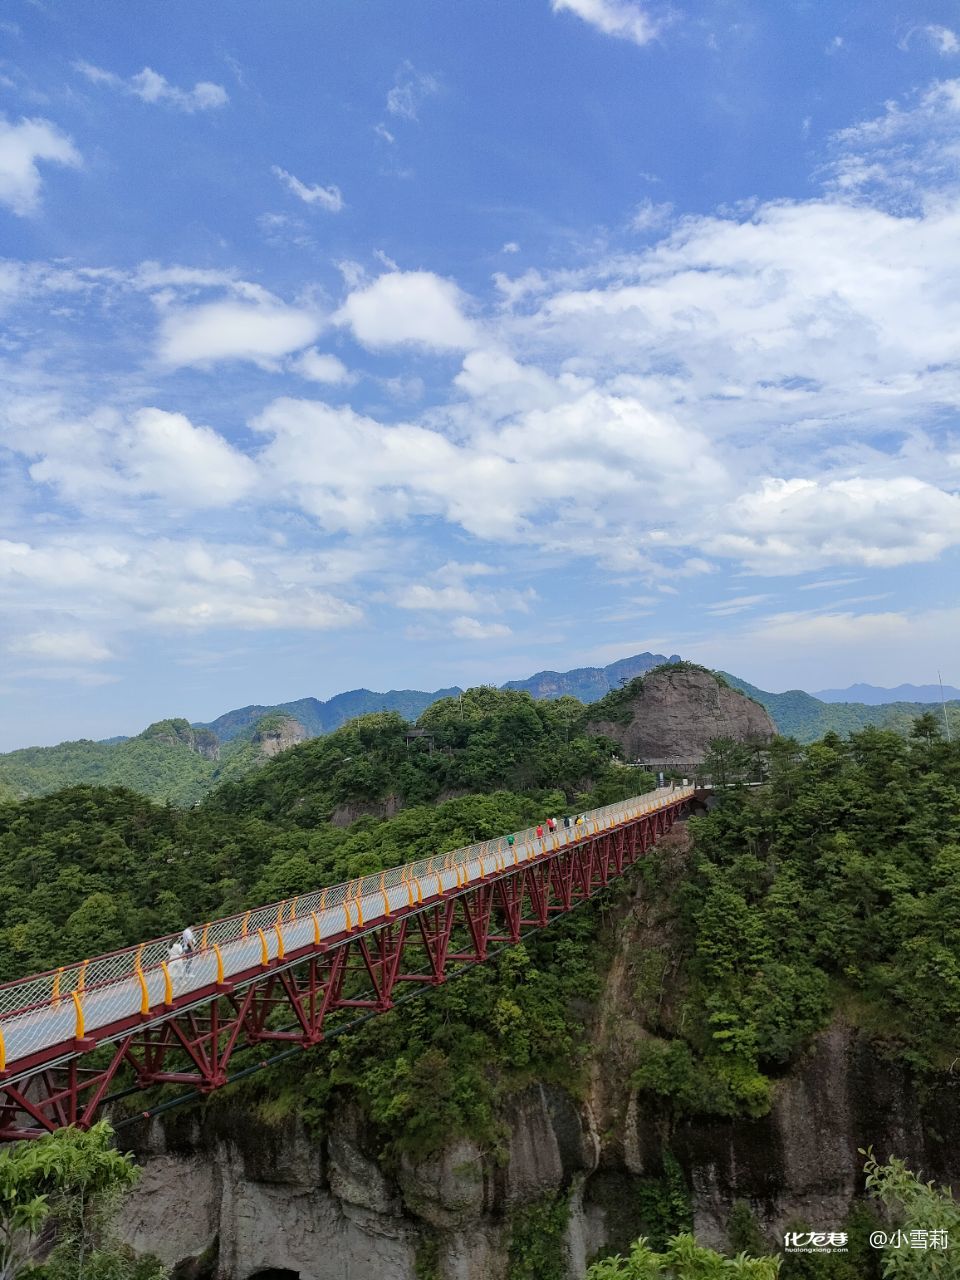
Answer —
552 825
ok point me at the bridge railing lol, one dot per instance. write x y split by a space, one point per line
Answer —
334 909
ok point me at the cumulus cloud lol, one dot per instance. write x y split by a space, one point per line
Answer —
22 145
410 90
129 584
328 198
110 456
319 366
571 476
233 329
149 86
790 525
415 307
621 18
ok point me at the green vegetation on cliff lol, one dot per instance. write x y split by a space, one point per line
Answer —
836 886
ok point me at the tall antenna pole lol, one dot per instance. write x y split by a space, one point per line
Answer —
943 707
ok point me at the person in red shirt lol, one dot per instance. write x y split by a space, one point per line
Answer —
539 832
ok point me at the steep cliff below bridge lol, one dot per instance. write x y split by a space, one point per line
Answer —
580 1170
672 714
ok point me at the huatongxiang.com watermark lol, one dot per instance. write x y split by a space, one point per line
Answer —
837 1241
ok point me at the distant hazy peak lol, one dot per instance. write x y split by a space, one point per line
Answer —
875 696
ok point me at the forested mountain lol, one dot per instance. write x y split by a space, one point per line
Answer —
170 761
317 717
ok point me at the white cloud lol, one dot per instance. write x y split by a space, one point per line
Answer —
22 145
410 90
129 583
328 198
415 307
945 40
622 18
62 646
149 86
649 216
106 456
455 597
510 247
572 476
261 331
791 525
383 132
318 366
738 604
466 628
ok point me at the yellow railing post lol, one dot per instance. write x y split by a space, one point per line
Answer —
416 881
144 994
264 953
439 882
243 927
281 950
203 939
358 903
346 912
55 993
78 1008
83 976
167 983
293 908
316 928
323 900
383 890
216 952
3 1054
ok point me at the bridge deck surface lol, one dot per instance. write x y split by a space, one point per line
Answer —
54 1007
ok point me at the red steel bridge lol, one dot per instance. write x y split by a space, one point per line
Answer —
289 973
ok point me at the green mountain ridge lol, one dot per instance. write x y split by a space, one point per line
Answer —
802 716
176 762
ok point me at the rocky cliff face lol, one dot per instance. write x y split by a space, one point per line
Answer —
672 715
276 733
225 1197
179 733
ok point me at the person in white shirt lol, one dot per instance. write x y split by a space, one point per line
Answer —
188 940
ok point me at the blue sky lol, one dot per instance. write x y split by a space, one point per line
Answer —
409 344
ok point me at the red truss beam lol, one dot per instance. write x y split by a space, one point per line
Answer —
290 1000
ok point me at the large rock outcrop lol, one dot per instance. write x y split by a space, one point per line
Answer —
671 715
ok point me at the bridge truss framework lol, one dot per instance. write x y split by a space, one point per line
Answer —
192 1039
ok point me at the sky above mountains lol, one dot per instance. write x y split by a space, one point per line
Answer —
418 344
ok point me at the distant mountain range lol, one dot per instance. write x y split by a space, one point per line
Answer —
178 762
802 716
874 696
589 684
